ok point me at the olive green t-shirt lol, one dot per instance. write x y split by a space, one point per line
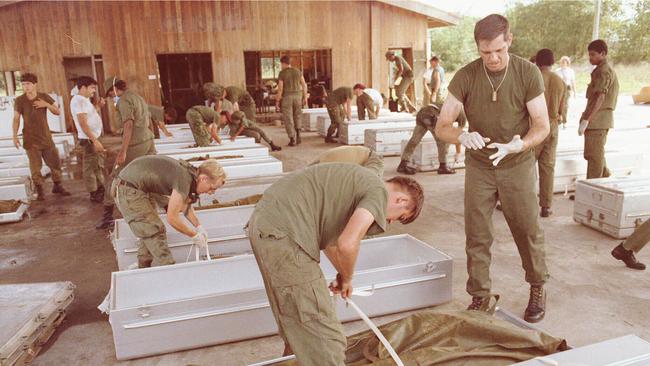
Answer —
291 84
131 106
160 174
313 206
603 80
359 155
208 114
508 116
406 68
340 95
36 131
157 113
234 94
554 89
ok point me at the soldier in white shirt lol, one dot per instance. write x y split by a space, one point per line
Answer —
368 100
89 129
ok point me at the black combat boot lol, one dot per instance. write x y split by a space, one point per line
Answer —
545 212
627 256
274 147
40 194
404 168
536 304
298 139
107 220
444 169
58 189
292 141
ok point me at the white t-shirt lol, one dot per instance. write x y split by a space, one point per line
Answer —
427 75
375 95
567 75
81 104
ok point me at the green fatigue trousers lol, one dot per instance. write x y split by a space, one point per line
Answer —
133 152
336 114
140 211
255 132
199 128
51 157
565 105
291 106
545 155
594 153
363 106
515 188
400 91
639 238
92 167
247 105
418 133
299 298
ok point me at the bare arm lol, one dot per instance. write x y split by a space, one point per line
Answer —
176 206
163 126
15 126
445 129
347 244
400 70
305 91
593 106
426 86
239 131
191 216
278 96
436 84
539 125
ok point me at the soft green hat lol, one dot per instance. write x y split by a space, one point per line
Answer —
212 90
237 116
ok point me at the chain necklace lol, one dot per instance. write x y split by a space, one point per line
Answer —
494 91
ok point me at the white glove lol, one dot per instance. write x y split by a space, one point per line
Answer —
398 81
472 140
583 126
514 146
456 158
201 230
200 240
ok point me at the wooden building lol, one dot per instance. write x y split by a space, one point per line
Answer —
166 49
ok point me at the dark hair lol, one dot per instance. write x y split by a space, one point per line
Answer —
411 187
598 46
359 86
285 60
85 81
28 77
227 114
171 112
544 57
120 84
434 58
491 27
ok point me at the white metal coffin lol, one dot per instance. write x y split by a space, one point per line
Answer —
19 169
425 155
16 188
249 167
570 166
352 133
323 122
310 120
235 189
387 142
629 350
224 225
9 154
7 141
220 153
171 308
614 206
15 216
29 314
165 147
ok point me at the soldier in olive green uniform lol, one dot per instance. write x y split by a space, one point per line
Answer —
425 121
406 73
359 155
37 139
199 118
503 98
296 219
160 117
339 107
598 116
633 244
137 187
293 91
137 139
240 125
554 90
243 100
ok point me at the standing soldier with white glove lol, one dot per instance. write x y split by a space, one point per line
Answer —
503 97
134 191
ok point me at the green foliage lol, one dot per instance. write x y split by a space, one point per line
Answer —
635 44
455 45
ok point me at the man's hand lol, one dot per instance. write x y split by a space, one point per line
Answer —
473 140
341 287
200 240
98 146
233 138
16 142
121 157
168 134
583 126
516 145
201 230
39 103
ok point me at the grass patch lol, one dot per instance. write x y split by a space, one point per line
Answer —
631 78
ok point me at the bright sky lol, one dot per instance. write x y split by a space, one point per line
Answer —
475 8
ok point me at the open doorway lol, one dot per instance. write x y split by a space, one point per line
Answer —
181 78
407 54
92 66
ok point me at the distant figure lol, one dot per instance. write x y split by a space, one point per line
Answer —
292 95
403 79
317 95
436 82
368 100
566 73
339 107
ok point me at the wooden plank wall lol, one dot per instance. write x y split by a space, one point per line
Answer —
129 35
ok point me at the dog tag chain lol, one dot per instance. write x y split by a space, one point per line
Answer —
495 90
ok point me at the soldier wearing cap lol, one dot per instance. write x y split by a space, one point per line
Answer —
137 139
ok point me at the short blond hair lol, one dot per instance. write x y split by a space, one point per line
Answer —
567 59
212 169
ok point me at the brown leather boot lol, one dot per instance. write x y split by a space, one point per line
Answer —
536 304
627 256
404 168
40 194
444 169
479 303
545 212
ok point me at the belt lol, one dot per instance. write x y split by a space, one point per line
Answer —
121 182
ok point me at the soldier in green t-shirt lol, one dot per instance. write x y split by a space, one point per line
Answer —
403 79
204 123
240 125
598 116
135 190
37 139
137 139
359 155
241 100
503 98
160 117
295 220
339 107
292 90
554 90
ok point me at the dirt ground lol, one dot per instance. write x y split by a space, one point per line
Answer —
592 297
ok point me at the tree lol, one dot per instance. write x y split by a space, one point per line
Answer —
455 45
635 44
